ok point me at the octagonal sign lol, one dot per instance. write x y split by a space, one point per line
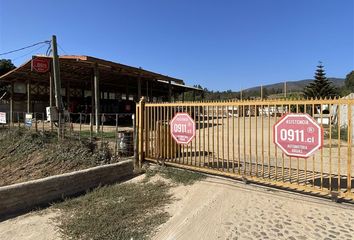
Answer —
298 135
182 128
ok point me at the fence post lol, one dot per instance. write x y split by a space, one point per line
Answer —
141 131
116 137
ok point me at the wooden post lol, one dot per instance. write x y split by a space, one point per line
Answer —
11 103
141 131
97 97
28 96
169 91
68 94
51 96
147 91
139 88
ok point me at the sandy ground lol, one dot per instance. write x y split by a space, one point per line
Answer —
224 209
218 208
32 226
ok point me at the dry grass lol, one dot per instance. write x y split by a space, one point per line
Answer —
122 211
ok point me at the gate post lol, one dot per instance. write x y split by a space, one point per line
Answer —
140 120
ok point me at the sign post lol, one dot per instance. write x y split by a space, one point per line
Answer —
298 135
182 128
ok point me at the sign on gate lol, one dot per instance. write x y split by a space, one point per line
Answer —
2 117
182 128
298 135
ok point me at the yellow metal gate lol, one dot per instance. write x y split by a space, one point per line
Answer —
235 139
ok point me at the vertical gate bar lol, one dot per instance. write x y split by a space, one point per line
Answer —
228 137
290 158
250 139
244 139
282 154
238 140
339 148
313 156
213 135
321 152
166 142
194 155
199 134
169 143
233 138
146 128
191 143
256 136
297 159
330 147
217 136
349 144
269 168
203 108
222 136
151 123
183 149
155 144
305 160
159 140
208 135
275 147
262 136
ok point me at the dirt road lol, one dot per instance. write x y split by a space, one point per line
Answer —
217 208
222 209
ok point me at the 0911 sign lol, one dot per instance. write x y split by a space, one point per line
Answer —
295 135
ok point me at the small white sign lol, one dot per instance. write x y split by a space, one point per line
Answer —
2 117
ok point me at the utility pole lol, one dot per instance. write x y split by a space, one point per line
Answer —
57 84
285 89
241 94
56 75
261 92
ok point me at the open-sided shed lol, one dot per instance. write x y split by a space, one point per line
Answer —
118 85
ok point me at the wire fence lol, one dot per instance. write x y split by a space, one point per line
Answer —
113 131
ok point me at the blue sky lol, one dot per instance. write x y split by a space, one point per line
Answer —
218 44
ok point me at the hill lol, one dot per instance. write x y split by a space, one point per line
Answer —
292 86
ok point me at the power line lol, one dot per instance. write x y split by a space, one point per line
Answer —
24 48
62 49
13 59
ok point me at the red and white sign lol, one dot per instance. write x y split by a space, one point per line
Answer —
298 135
182 128
40 64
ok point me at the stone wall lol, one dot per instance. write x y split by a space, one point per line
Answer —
25 196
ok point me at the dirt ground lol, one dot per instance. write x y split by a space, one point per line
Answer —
218 208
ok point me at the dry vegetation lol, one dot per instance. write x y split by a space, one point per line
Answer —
123 211
27 155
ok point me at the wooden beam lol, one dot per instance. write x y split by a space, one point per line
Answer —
97 97
28 96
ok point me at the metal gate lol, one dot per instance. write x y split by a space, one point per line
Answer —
235 139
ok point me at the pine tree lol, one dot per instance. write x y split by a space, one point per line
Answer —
321 87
